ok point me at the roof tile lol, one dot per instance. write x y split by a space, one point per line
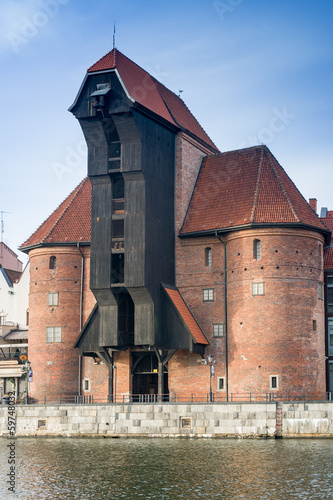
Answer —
151 94
246 186
70 222
186 315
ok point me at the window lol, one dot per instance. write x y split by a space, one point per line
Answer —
314 325
208 295
27 318
257 249
53 262
330 337
53 334
320 291
273 381
258 289
329 294
208 257
86 384
52 299
218 330
221 383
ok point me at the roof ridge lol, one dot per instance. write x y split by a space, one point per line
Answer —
75 193
188 109
270 156
256 189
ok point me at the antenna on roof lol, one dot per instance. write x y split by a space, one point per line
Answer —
180 91
114 34
2 224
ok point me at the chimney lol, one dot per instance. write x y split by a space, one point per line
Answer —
313 204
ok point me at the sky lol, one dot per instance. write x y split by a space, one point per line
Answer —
251 71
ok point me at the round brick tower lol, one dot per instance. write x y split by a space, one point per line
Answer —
276 330
55 295
59 300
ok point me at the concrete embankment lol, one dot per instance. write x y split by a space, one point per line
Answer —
243 420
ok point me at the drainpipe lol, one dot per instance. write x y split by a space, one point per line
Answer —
81 312
225 315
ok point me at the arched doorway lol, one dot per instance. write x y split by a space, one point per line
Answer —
145 374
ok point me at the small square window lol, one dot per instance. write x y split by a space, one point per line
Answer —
218 330
86 384
53 334
221 383
208 295
258 289
273 381
52 299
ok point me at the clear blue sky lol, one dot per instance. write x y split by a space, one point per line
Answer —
251 71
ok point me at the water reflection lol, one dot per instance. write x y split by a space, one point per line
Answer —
165 469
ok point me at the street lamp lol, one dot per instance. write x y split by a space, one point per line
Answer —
210 363
27 385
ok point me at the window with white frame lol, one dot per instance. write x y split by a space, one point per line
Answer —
258 289
330 337
52 299
273 381
329 294
53 334
208 295
208 257
221 383
86 384
218 329
320 291
257 249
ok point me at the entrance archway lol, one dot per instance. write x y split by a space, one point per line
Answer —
145 374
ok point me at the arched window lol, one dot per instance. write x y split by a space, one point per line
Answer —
53 262
256 249
208 257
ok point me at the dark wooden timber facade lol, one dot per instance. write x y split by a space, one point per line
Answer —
131 165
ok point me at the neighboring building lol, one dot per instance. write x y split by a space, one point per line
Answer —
14 318
171 251
9 259
327 218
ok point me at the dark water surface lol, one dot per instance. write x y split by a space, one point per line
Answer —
64 468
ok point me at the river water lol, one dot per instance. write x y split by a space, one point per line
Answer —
96 469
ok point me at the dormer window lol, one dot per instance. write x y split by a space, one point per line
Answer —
53 262
257 249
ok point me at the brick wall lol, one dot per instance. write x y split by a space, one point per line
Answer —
280 333
55 364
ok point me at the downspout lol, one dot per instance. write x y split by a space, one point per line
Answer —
81 312
225 315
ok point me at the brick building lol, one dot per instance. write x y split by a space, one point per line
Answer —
170 251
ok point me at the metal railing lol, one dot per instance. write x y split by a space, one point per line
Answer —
174 398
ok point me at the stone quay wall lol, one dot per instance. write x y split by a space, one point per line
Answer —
239 420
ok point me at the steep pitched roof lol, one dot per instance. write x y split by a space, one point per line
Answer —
148 92
186 315
243 188
14 276
328 252
70 222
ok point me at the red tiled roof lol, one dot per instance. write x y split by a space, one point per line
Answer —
70 222
245 187
151 94
14 276
328 252
186 315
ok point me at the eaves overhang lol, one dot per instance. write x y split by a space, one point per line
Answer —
242 227
27 249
